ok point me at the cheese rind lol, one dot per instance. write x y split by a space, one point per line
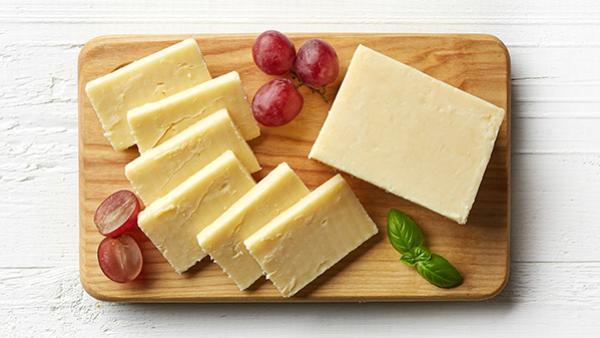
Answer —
311 236
223 239
156 122
148 79
161 169
173 221
410 134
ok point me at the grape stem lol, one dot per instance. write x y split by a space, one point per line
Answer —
298 83
321 91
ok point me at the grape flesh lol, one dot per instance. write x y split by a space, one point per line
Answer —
317 63
117 213
273 53
276 103
120 258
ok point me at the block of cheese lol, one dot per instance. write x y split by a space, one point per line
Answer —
156 122
148 79
223 239
161 169
410 134
311 236
173 221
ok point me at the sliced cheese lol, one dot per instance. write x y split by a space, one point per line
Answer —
173 221
223 239
311 236
158 171
148 79
410 134
154 123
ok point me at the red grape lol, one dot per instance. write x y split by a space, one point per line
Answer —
316 63
117 213
120 258
273 53
276 103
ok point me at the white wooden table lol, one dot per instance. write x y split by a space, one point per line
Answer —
554 287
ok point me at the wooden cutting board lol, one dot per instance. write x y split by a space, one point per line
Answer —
478 64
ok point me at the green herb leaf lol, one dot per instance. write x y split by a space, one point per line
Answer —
408 259
421 254
403 232
407 238
439 272
417 254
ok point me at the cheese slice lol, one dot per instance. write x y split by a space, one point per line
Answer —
410 134
158 171
154 123
148 79
223 239
311 236
173 221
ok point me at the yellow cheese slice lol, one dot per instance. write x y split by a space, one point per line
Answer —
173 221
311 236
223 239
148 79
410 134
154 123
159 170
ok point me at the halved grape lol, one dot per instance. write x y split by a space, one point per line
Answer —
273 53
120 258
316 63
276 103
117 213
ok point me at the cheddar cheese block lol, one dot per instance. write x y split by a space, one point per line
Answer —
311 236
223 239
410 134
148 79
161 169
173 221
156 122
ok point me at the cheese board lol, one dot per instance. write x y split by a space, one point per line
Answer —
478 64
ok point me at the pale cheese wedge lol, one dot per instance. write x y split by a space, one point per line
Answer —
148 79
173 221
223 239
311 236
158 171
156 122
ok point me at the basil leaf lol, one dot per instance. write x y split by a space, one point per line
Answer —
408 259
403 232
421 254
439 272
418 254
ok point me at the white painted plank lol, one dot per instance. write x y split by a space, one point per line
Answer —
30 81
556 135
557 66
544 25
63 33
555 207
378 10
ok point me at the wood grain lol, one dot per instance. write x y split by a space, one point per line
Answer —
478 64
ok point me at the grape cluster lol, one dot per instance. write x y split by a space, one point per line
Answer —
315 65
